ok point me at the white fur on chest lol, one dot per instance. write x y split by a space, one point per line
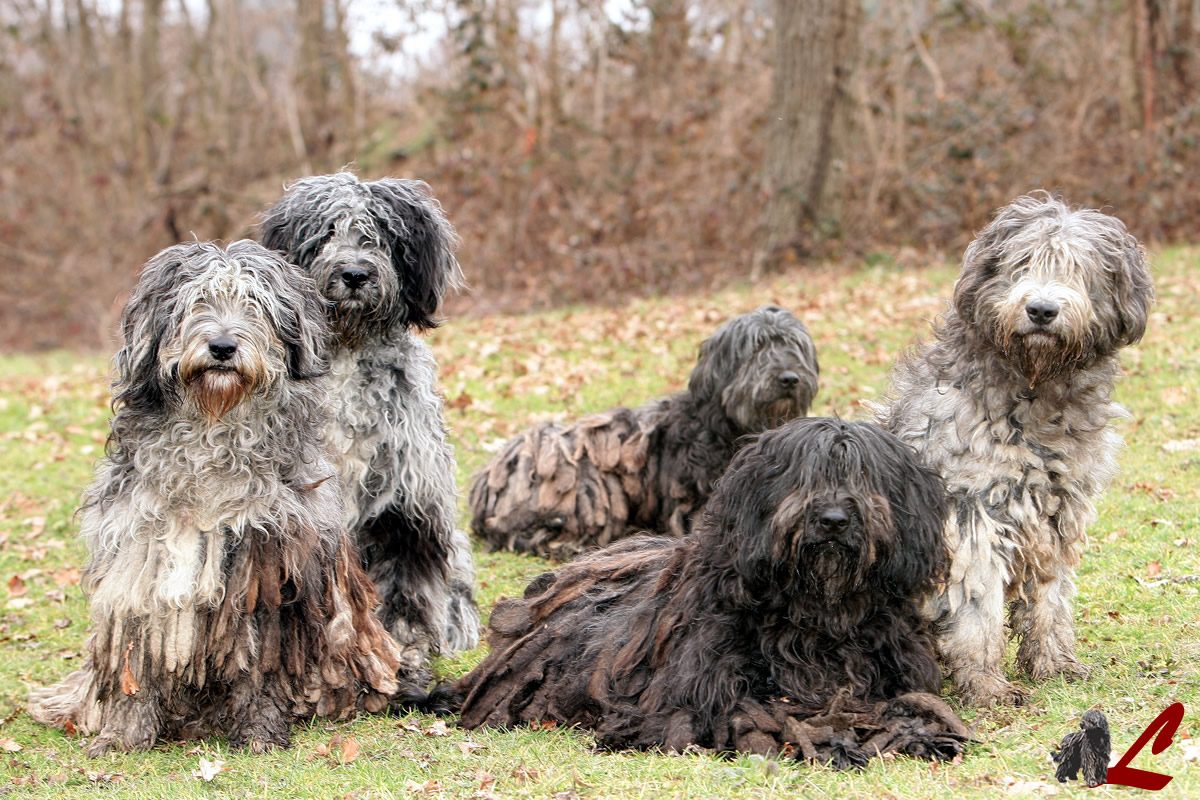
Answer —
1044 448
195 491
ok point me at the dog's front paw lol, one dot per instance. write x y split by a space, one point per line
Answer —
844 754
123 741
263 730
259 746
985 689
1041 669
103 745
1070 669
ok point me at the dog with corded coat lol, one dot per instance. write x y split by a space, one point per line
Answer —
382 255
1012 403
226 597
786 622
557 490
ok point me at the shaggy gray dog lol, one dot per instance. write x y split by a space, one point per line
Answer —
226 596
381 253
1012 403
557 490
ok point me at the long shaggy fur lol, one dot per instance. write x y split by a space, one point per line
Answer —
226 597
558 490
1085 751
1011 402
786 622
382 255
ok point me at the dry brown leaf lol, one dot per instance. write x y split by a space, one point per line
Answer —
437 729
1025 787
129 683
1175 395
10 746
428 787
466 748
67 576
16 586
524 774
486 779
348 751
1153 569
460 403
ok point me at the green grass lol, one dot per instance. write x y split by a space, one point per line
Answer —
1138 610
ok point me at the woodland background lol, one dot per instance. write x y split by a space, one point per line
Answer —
586 151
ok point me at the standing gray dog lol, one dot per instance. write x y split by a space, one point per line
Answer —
557 490
1012 403
226 596
381 253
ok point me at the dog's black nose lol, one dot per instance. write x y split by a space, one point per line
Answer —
1042 312
222 347
788 379
355 277
834 520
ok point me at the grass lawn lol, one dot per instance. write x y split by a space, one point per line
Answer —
1137 613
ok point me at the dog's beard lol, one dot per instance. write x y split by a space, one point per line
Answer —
218 390
831 569
1040 356
762 415
353 317
778 412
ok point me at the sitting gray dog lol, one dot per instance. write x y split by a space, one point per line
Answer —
1012 403
381 253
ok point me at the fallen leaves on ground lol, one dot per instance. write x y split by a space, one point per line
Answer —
468 747
437 729
209 769
340 750
1018 787
429 787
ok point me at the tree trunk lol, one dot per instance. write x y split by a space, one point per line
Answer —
816 46
312 78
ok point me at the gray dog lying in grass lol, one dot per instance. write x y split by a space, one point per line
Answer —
559 490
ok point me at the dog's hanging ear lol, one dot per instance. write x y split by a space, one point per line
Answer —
720 357
917 498
304 331
736 520
1133 291
140 390
422 243
981 260
294 226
